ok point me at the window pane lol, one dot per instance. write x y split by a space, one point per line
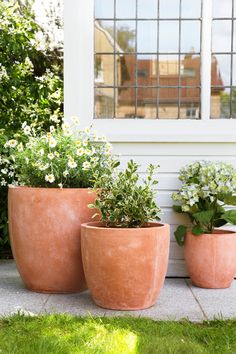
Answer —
104 70
147 8
168 103
222 9
169 8
191 8
168 70
125 70
147 70
104 103
147 103
221 70
190 70
169 36
233 102
125 102
104 8
104 36
125 36
189 103
220 102
190 36
234 71
147 37
221 36
124 11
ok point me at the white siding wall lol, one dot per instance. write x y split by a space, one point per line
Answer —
171 157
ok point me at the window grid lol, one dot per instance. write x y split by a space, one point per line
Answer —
135 53
232 88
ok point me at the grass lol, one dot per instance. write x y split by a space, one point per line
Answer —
57 334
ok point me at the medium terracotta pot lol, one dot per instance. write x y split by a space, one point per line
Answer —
44 226
125 268
211 259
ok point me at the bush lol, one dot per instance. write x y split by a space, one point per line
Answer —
31 84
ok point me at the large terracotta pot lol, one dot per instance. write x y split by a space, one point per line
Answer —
44 228
125 268
211 259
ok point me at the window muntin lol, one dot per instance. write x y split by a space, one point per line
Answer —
170 82
223 70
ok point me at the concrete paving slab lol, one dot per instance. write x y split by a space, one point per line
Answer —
178 300
216 303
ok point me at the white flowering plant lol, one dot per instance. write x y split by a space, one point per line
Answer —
207 189
64 157
123 202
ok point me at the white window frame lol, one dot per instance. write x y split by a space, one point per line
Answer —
79 88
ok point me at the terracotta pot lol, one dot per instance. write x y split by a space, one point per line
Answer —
125 268
211 259
44 228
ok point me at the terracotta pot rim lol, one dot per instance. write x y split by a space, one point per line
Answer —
217 233
10 186
98 225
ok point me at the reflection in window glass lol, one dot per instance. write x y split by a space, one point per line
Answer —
104 103
104 8
147 102
147 8
222 9
125 70
147 37
190 103
125 35
190 43
125 102
221 70
147 70
191 8
221 36
190 70
168 103
169 36
124 11
169 8
104 36
104 69
220 102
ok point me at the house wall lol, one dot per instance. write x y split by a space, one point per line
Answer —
171 157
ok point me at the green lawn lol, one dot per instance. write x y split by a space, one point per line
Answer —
56 334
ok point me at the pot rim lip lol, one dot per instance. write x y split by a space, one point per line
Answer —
221 232
12 186
95 225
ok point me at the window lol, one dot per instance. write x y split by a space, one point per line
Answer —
134 81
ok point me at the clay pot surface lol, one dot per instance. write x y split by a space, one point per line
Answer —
44 226
211 259
125 268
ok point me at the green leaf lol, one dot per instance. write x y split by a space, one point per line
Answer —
230 216
177 208
180 234
219 223
204 217
197 230
230 200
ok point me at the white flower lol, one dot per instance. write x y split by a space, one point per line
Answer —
78 143
54 118
76 120
60 185
43 167
24 125
56 153
3 183
20 147
4 171
80 152
27 160
51 156
27 130
12 143
52 142
65 173
52 129
87 130
67 132
41 151
86 165
50 178
65 126
72 163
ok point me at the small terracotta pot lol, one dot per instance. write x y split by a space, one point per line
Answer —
211 259
125 268
44 228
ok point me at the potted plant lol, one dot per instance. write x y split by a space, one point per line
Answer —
210 253
54 171
125 254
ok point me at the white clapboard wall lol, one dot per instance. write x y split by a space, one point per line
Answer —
171 157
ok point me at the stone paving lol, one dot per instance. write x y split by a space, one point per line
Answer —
178 299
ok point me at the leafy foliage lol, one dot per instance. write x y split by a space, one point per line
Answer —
123 202
208 187
31 85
